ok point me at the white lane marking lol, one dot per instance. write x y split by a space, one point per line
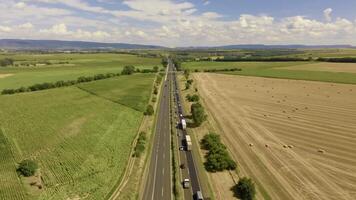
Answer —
154 177
164 155
162 191
163 172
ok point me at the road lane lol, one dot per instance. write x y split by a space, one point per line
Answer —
158 184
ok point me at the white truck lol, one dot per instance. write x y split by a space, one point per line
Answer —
184 124
188 142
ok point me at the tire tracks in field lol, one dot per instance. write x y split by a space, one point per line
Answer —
255 129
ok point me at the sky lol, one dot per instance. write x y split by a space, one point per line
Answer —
178 23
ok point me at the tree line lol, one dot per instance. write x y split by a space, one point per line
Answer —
217 158
6 62
127 70
340 60
259 59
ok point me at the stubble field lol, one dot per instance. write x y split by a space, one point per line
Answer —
296 139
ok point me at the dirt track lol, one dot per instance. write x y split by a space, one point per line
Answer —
317 120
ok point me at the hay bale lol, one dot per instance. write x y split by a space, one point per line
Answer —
251 145
285 146
321 150
290 146
266 145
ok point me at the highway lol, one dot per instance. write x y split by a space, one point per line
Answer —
158 184
186 157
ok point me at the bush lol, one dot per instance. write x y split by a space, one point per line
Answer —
187 86
128 70
140 145
154 99
27 168
6 62
245 189
190 81
155 69
155 90
217 158
149 110
198 113
192 98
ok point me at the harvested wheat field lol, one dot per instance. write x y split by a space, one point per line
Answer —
296 139
328 67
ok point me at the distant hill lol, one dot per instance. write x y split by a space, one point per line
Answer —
262 46
18 44
67 45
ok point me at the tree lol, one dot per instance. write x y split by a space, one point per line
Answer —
6 62
128 70
27 168
186 74
155 69
198 113
149 110
192 98
164 62
187 86
245 189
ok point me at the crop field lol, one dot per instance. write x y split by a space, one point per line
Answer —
286 70
80 136
328 67
295 138
65 67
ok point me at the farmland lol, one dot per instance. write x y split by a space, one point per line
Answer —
30 69
80 136
314 71
294 138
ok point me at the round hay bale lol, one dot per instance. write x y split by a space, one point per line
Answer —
285 146
321 150
290 146
251 145
266 145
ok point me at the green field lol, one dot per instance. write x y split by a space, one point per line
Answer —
73 66
275 70
80 136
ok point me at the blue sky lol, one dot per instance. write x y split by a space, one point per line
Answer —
182 22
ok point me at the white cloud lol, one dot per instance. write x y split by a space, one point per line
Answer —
163 22
5 29
26 25
327 14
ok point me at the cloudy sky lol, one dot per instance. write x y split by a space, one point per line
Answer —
182 22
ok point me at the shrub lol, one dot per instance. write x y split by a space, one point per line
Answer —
154 99
149 110
155 69
27 168
128 70
217 158
6 62
192 98
187 86
245 189
198 113
190 81
155 90
140 145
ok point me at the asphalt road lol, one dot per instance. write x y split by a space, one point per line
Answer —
158 183
186 157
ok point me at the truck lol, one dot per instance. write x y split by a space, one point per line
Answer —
186 183
198 196
184 124
188 142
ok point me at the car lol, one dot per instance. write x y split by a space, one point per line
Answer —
186 183
182 166
198 196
